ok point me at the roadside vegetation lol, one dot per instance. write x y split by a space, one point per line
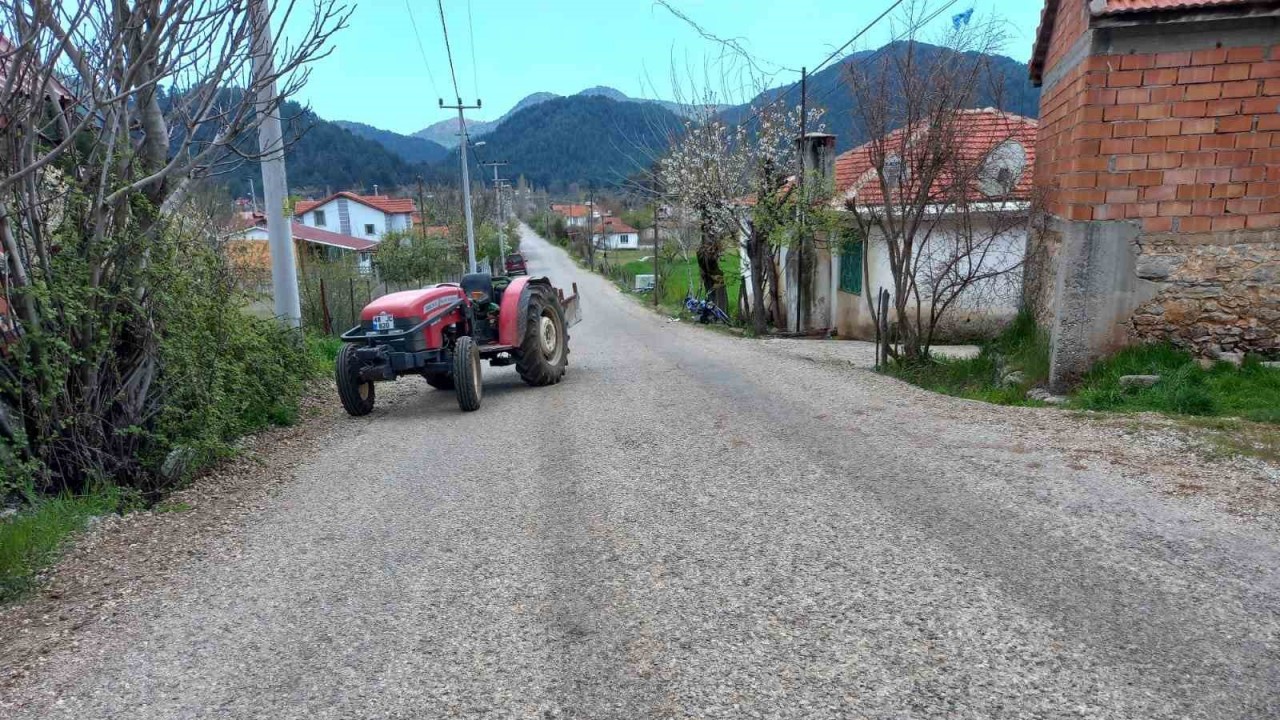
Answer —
1018 360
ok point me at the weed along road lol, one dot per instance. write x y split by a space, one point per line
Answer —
698 525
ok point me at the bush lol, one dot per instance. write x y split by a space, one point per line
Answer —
188 369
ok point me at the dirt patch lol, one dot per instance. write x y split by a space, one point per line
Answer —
121 558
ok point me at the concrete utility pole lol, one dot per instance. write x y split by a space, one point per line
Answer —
804 111
497 199
463 148
284 268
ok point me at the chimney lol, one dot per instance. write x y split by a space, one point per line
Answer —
818 152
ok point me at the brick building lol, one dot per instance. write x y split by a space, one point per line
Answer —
1159 147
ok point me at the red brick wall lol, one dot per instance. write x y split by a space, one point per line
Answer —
1184 142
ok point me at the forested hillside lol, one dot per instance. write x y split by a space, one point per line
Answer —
322 156
589 140
410 148
829 89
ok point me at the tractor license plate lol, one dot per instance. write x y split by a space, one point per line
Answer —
383 322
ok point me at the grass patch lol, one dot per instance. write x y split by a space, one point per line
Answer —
1251 392
678 277
31 540
323 351
1022 348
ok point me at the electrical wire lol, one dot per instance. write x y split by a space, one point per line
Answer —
475 81
444 26
421 50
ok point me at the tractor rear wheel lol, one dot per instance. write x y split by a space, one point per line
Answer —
357 397
466 373
544 350
439 381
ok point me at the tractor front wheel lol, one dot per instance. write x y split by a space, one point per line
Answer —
357 397
466 373
544 350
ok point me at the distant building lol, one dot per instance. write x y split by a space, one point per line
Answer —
248 249
613 234
576 215
362 216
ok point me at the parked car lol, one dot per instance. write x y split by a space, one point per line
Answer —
515 265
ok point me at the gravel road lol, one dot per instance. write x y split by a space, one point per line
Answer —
695 525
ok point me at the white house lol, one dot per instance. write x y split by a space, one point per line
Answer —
248 243
576 215
613 234
362 216
849 270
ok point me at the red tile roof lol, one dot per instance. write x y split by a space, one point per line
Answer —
324 237
385 203
570 210
305 233
1049 15
979 131
614 226
1113 7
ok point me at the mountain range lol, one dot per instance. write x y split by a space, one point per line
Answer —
598 137
445 132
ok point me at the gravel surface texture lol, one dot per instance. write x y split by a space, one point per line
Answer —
697 525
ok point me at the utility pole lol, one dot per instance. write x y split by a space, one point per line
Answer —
804 240
463 148
655 242
284 268
497 199
422 210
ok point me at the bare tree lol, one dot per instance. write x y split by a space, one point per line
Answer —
946 190
113 110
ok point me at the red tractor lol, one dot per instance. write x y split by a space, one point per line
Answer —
442 333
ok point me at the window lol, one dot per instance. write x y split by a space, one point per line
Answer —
368 229
319 217
851 266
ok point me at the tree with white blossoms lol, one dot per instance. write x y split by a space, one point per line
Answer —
732 177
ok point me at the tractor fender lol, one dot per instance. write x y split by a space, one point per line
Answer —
513 314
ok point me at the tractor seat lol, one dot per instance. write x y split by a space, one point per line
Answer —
478 287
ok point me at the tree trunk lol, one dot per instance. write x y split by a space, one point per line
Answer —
756 256
709 269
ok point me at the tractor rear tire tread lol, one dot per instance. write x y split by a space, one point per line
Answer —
531 362
466 373
347 377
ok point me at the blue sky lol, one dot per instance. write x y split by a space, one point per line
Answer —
377 74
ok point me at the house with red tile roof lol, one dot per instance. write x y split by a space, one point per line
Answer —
1159 150
248 249
363 216
613 234
989 205
575 215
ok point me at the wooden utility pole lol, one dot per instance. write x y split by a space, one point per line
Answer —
284 269
463 148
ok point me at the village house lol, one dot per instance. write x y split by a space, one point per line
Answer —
1159 149
575 215
363 216
248 249
613 234
849 269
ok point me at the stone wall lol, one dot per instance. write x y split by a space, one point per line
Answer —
1217 294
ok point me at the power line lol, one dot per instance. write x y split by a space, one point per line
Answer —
421 50
475 81
444 26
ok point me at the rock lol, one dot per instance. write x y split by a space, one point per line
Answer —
1015 377
1272 365
1206 363
1158 267
1235 358
1044 396
1138 381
